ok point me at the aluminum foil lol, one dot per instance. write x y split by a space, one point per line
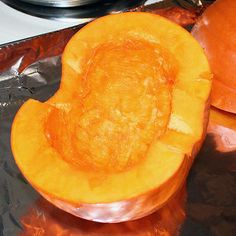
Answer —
205 206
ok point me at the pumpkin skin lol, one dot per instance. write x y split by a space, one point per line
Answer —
98 149
215 31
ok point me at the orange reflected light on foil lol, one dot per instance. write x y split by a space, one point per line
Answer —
45 219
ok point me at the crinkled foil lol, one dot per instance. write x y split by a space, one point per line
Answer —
205 206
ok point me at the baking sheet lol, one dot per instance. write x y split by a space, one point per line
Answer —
205 206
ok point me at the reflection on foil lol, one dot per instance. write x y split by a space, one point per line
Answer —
45 219
211 188
224 137
31 68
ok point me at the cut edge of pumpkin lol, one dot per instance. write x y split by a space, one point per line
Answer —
223 97
223 118
174 44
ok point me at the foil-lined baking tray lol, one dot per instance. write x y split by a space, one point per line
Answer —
205 206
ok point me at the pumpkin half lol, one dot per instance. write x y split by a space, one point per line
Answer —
216 32
118 138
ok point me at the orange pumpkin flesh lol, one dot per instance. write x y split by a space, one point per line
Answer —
117 139
118 119
216 33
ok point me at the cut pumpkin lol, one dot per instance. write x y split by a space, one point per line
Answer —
118 138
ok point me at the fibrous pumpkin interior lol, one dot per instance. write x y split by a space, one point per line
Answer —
123 105
130 109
